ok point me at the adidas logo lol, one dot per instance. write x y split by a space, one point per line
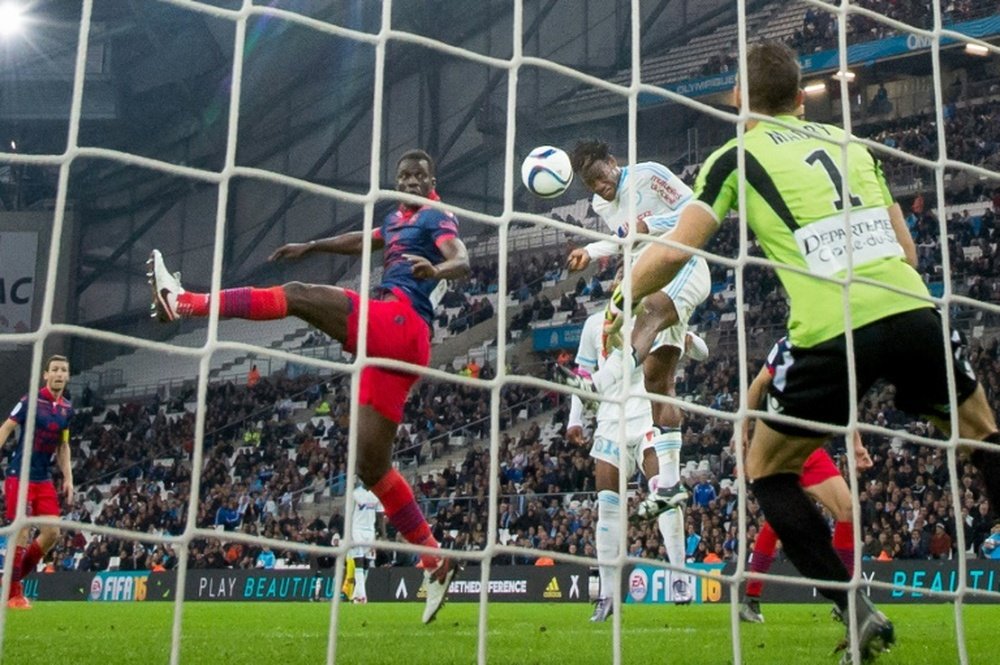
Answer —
552 589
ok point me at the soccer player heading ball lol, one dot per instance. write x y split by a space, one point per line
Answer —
655 196
421 247
796 203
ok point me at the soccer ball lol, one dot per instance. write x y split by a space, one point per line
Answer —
546 172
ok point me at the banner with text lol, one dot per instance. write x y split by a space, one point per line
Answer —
537 584
18 252
131 586
556 337
651 584
559 583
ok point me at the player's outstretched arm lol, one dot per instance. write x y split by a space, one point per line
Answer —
659 264
351 243
455 264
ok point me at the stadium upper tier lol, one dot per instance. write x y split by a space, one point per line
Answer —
803 27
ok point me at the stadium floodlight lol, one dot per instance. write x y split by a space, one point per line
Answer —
976 49
844 76
814 88
11 18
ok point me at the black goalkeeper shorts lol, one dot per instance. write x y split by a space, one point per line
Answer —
906 349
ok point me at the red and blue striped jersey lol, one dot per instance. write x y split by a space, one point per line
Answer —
52 418
420 233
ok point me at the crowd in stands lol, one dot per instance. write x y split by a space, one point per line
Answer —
133 467
819 27
972 134
818 31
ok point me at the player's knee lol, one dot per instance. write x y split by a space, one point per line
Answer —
661 310
835 495
47 537
371 471
657 382
605 477
367 474
842 509
296 292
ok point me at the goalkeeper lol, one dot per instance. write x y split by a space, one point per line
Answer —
797 205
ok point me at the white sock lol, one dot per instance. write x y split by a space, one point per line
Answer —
609 524
359 582
672 529
668 455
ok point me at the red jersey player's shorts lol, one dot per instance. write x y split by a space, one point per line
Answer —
818 468
42 498
395 331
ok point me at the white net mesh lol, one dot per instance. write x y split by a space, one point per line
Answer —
630 88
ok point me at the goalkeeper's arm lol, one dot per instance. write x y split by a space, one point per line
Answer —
660 263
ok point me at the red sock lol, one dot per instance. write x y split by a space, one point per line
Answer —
402 511
18 563
763 556
243 303
31 558
843 544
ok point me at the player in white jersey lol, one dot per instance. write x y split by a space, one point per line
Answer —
366 509
640 436
661 336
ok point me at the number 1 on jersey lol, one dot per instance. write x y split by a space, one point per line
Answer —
824 159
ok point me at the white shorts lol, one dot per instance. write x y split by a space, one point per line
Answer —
606 449
362 553
690 288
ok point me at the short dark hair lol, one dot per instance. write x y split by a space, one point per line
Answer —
418 154
774 78
54 359
587 152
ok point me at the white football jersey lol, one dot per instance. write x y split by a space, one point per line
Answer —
659 196
638 410
366 506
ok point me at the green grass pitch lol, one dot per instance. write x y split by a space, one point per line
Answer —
522 634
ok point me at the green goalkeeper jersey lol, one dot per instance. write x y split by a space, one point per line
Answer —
796 206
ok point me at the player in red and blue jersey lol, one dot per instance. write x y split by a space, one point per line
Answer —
422 247
820 478
53 413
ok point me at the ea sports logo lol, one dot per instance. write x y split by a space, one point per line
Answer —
96 586
638 585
